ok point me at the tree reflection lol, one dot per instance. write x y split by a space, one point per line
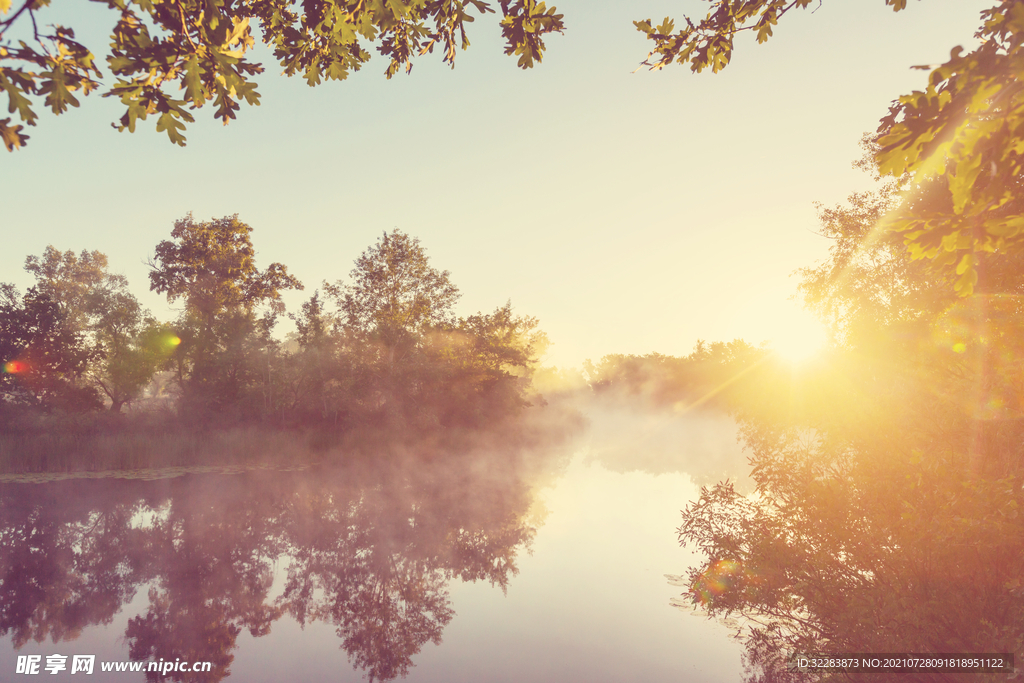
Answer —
377 564
65 562
369 548
209 556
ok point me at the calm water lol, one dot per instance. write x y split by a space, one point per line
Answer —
497 562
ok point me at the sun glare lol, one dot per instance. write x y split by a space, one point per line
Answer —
800 339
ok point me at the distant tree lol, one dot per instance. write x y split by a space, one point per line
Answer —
126 343
411 353
483 366
321 372
394 293
212 266
134 353
230 305
77 282
393 300
43 357
314 324
504 340
718 374
200 46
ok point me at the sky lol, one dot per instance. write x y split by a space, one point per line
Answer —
629 211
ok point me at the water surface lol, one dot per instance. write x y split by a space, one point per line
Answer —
505 562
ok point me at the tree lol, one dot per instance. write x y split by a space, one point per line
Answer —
871 282
212 266
395 291
77 282
504 342
134 353
961 139
126 343
887 476
321 372
477 371
410 355
395 296
201 47
43 358
393 301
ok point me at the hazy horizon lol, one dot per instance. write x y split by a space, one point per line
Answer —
629 212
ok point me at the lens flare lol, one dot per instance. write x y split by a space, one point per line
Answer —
717 580
170 341
15 367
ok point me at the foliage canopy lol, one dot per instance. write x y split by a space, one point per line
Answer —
43 356
202 46
124 341
395 291
212 266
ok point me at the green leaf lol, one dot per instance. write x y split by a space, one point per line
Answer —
167 123
194 90
17 102
12 136
962 181
1007 227
58 95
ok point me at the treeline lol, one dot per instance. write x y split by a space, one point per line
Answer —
383 347
715 375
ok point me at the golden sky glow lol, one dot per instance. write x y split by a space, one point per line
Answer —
629 212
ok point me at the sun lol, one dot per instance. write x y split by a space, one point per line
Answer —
799 338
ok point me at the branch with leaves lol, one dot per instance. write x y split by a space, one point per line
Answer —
201 46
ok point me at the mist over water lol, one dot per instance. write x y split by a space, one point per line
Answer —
536 553
626 436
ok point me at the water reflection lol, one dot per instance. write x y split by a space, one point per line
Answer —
628 436
369 547
68 558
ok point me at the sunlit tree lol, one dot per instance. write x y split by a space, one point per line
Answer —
231 307
889 475
394 293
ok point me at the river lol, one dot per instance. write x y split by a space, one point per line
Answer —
482 561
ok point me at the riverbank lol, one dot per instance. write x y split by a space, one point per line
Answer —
131 448
59 445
